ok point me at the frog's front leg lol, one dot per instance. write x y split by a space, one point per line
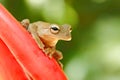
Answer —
33 30
50 51
58 56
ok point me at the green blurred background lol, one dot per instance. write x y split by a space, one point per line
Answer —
94 51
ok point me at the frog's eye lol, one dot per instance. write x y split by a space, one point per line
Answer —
70 29
54 29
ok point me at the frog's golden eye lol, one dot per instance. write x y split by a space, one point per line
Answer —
54 29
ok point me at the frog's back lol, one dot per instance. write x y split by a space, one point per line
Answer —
41 24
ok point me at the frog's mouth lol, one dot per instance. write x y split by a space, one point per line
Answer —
68 38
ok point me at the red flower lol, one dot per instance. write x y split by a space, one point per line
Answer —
20 57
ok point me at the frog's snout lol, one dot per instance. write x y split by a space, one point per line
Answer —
67 37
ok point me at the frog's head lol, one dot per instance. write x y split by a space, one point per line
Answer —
51 33
62 32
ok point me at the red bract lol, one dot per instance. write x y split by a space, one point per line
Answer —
9 68
20 57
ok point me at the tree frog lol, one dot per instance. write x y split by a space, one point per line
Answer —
46 35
